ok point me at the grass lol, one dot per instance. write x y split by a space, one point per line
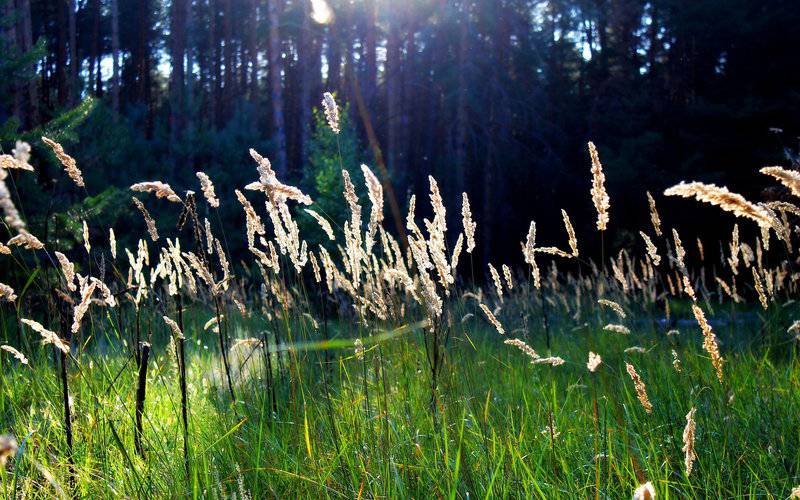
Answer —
382 373
492 438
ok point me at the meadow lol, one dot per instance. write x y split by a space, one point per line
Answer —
375 365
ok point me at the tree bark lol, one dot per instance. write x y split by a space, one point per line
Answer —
369 81
230 65
393 89
215 46
25 34
487 212
61 53
252 54
346 40
115 56
10 35
276 86
334 58
177 78
188 76
142 64
74 85
461 107
91 4
211 63
307 66
94 60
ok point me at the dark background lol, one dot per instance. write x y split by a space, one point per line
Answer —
494 97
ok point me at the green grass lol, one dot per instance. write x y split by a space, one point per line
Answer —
486 442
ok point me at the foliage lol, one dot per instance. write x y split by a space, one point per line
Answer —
493 441
329 154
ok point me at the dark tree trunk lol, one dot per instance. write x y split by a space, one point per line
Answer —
94 45
177 78
216 33
252 53
462 120
274 8
393 89
212 65
308 70
188 88
10 35
652 52
74 64
369 80
61 53
334 59
346 41
115 56
487 212
25 35
230 66
142 64
410 92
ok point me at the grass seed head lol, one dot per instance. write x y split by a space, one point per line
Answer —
8 449
469 225
208 189
48 337
160 189
599 195
594 361
688 441
645 491
331 112
20 357
492 319
68 162
641 389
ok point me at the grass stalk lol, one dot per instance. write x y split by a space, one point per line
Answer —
141 390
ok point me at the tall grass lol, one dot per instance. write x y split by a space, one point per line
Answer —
363 368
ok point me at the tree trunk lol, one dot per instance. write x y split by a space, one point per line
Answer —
346 41
115 56
308 70
652 51
487 212
10 34
393 89
410 93
334 58
252 52
74 85
188 72
216 43
242 58
92 6
276 86
25 34
95 59
462 122
61 53
212 63
369 80
142 64
230 65
602 34
177 78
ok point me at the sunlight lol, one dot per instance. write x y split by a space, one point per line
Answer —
321 12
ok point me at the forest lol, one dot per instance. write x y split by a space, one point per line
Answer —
399 249
496 98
